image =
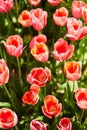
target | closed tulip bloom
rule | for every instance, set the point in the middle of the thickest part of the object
(81, 98)
(75, 29)
(77, 8)
(60, 16)
(40, 52)
(25, 18)
(54, 2)
(84, 13)
(64, 124)
(14, 45)
(72, 70)
(6, 5)
(34, 2)
(30, 97)
(39, 19)
(63, 51)
(4, 72)
(8, 118)
(51, 107)
(35, 88)
(41, 38)
(37, 125)
(39, 76)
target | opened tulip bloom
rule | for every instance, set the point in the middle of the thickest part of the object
(64, 124)
(39, 19)
(34, 2)
(75, 29)
(14, 45)
(76, 8)
(25, 18)
(4, 72)
(63, 51)
(54, 2)
(37, 125)
(30, 97)
(39, 76)
(6, 5)
(72, 70)
(8, 118)
(81, 98)
(41, 38)
(51, 107)
(40, 52)
(60, 16)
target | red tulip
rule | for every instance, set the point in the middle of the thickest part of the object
(40, 52)
(63, 51)
(8, 118)
(77, 8)
(75, 29)
(41, 38)
(39, 76)
(64, 124)
(72, 70)
(54, 2)
(81, 98)
(14, 45)
(37, 125)
(39, 19)
(51, 107)
(25, 18)
(35, 88)
(6, 5)
(60, 16)
(4, 72)
(34, 2)
(30, 97)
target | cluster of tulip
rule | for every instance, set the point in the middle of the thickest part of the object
(39, 77)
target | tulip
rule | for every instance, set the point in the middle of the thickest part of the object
(54, 2)
(60, 16)
(51, 107)
(8, 118)
(81, 98)
(39, 76)
(72, 70)
(39, 19)
(6, 5)
(63, 51)
(34, 2)
(25, 18)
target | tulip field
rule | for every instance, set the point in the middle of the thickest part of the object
(43, 64)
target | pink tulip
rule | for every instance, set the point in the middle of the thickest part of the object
(8, 118)
(51, 107)
(4, 72)
(75, 29)
(64, 124)
(37, 125)
(77, 8)
(39, 19)
(72, 70)
(34, 2)
(63, 51)
(6, 5)
(39, 76)
(25, 18)
(84, 13)
(54, 2)
(81, 98)
(35, 88)
(40, 52)
(60, 16)
(41, 38)
(14, 45)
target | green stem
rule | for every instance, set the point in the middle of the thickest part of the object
(16, 128)
(19, 71)
(81, 116)
(72, 91)
(16, 3)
